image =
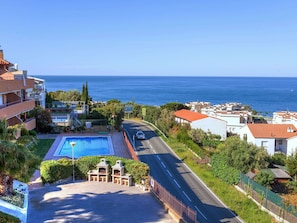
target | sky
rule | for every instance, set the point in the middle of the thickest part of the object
(151, 37)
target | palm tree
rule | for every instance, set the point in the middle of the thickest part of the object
(16, 160)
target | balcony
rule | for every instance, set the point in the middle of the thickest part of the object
(15, 85)
(13, 109)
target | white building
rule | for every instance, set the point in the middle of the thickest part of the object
(285, 117)
(200, 121)
(39, 92)
(275, 138)
(232, 113)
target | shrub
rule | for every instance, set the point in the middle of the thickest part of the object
(5, 218)
(24, 132)
(223, 171)
(54, 170)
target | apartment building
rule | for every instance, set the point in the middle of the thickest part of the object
(285, 117)
(233, 113)
(14, 101)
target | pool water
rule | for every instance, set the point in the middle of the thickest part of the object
(85, 146)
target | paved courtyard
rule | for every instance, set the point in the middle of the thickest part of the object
(94, 202)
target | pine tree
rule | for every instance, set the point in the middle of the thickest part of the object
(86, 93)
(83, 93)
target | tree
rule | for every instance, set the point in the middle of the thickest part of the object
(264, 178)
(16, 158)
(197, 135)
(6, 132)
(291, 165)
(166, 120)
(174, 106)
(279, 159)
(16, 161)
(244, 156)
(85, 93)
(43, 120)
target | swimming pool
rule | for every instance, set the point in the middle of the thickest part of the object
(85, 146)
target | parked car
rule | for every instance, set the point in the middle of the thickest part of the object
(140, 135)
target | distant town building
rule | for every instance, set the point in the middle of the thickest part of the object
(233, 113)
(14, 101)
(196, 106)
(285, 117)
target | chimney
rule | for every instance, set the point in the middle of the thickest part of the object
(1, 55)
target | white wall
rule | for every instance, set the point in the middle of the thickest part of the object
(246, 131)
(292, 146)
(267, 143)
(214, 125)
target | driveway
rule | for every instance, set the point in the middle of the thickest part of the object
(85, 201)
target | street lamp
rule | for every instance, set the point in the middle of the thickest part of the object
(72, 145)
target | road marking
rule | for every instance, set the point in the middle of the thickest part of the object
(187, 196)
(169, 172)
(200, 212)
(163, 164)
(158, 157)
(176, 183)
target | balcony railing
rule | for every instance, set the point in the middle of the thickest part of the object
(15, 108)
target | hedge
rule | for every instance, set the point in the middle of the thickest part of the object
(54, 170)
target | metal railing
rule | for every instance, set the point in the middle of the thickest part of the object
(179, 209)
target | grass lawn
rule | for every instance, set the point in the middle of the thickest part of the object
(43, 146)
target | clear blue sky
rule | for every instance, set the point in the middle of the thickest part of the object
(151, 37)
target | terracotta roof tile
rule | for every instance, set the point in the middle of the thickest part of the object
(272, 130)
(5, 62)
(189, 115)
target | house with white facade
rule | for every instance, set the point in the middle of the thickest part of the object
(233, 113)
(285, 117)
(275, 138)
(200, 121)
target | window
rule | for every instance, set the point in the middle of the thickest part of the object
(264, 144)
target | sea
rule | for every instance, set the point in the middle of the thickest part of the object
(263, 94)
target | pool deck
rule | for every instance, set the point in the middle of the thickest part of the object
(119, 146)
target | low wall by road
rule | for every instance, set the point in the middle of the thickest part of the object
(13, 210)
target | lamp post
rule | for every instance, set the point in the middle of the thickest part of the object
(72, 145)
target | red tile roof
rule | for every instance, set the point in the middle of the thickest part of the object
(189, 115)
(5, 62)
(272, 130)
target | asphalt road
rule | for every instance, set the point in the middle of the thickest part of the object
(177, 178)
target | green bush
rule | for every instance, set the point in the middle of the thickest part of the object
(33, 133)
(54, 170)
(5, 218)
(196, 148)
(137, 169)
(223, 171)
(24, 132)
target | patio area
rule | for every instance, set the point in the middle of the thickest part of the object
(119, 146)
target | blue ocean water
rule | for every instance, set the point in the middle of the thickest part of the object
(263, 94)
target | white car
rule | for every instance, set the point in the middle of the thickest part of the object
(140, 135)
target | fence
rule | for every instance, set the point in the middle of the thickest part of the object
(183, 212)
(130, 147)
(269, 200)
